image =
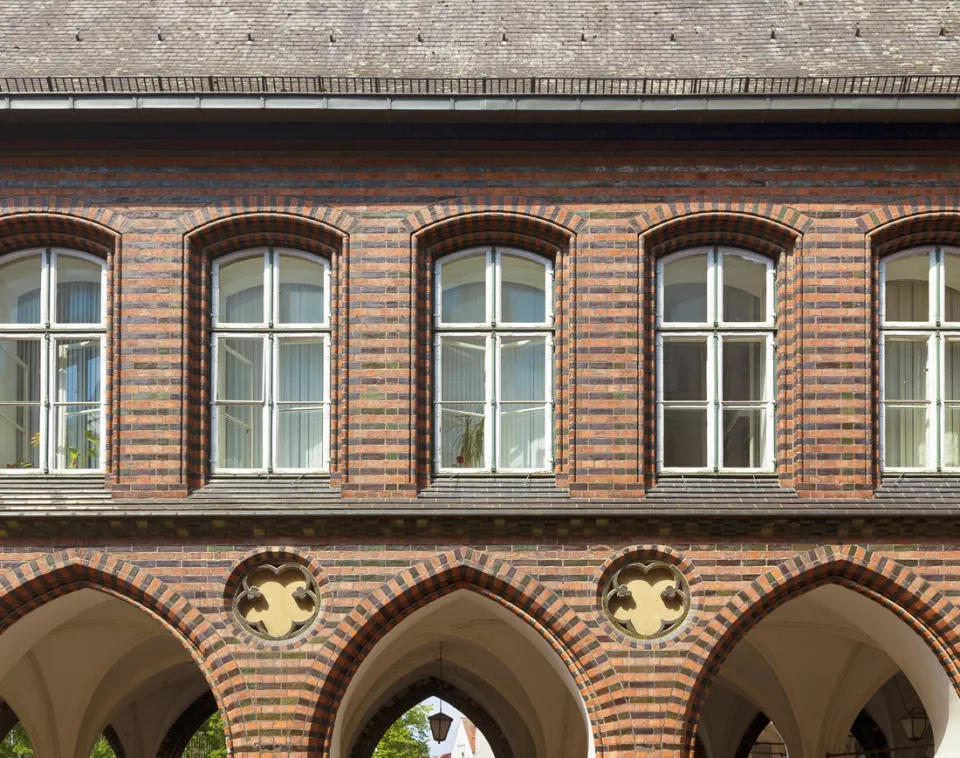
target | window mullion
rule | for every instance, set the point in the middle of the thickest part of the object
(45, 393)
(493, 394)
(936, 377)
(271, 353)
(550, 410)
(715, 356)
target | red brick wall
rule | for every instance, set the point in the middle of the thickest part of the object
(280, 698)
(379, 216)
(379, 213)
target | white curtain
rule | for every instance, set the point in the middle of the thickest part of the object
(78, 398)
(27, 417)
(300, 413)
(240, 363)
(905, 426)
(462, 401)
(523, 367)
(301, 391)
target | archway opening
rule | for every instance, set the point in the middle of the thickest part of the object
(412, 735)
(89, 674)
(837, 673)
(208, 740)
(497, 671)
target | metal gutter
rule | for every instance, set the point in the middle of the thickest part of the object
(471, 103)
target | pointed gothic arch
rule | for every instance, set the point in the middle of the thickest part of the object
(496, 580)
(32, 585)
(913, 600)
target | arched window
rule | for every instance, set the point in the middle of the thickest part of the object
(271, 362)
(494, 377)
(920, 360)
(715, 361)
(52, 344)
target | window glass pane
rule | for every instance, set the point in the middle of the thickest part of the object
(951, 436)
(463, 300)
(523, 437)
(684, 437)
(20, 370)
(951, 295)
(463, 368)
(78, 291)
(300, 419)
(20, 290)
(300, 436)
(745, 370)
(951, 370)
(302, 373)
(240, 369)
(301, 292)
(685, 290)
(744, 290)
(744, 436)
(523, 368)
(523, 291)
(19, 436)
(77, 429)
(461, 435)
(20, 386)
(907, 288)
(905, 437)
(78, 371)
(684, 369)
(241, 292)
(239, 436)
(905, 369)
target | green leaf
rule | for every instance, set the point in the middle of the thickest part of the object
(408, 736)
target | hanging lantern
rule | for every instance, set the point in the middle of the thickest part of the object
(440, 722)
(440, 726)
(915, 723)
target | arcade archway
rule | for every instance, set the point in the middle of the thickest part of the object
(88, 664)
(835, 672)
(496, 669)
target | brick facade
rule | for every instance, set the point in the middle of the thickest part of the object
(378, 536)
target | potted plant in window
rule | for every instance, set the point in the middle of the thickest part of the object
(469, 441)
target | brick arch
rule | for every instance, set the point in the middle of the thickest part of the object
(763, 227)
(235, 224)
(27, 220)
(762, 211)
(915, 222)
(256, 209)
(35, 583)
(474, 211)
(496, 580)
(909, 597)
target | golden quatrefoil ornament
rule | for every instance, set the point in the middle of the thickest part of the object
(647, 600)
(276, 602)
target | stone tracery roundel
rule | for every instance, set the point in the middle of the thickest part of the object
(647, 600)
(276, 601)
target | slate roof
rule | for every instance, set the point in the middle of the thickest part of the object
(496, 38)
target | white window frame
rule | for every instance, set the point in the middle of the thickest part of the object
(936, 331)
(715, 331)
(272, 333)
(49, 332)
(492, 331)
